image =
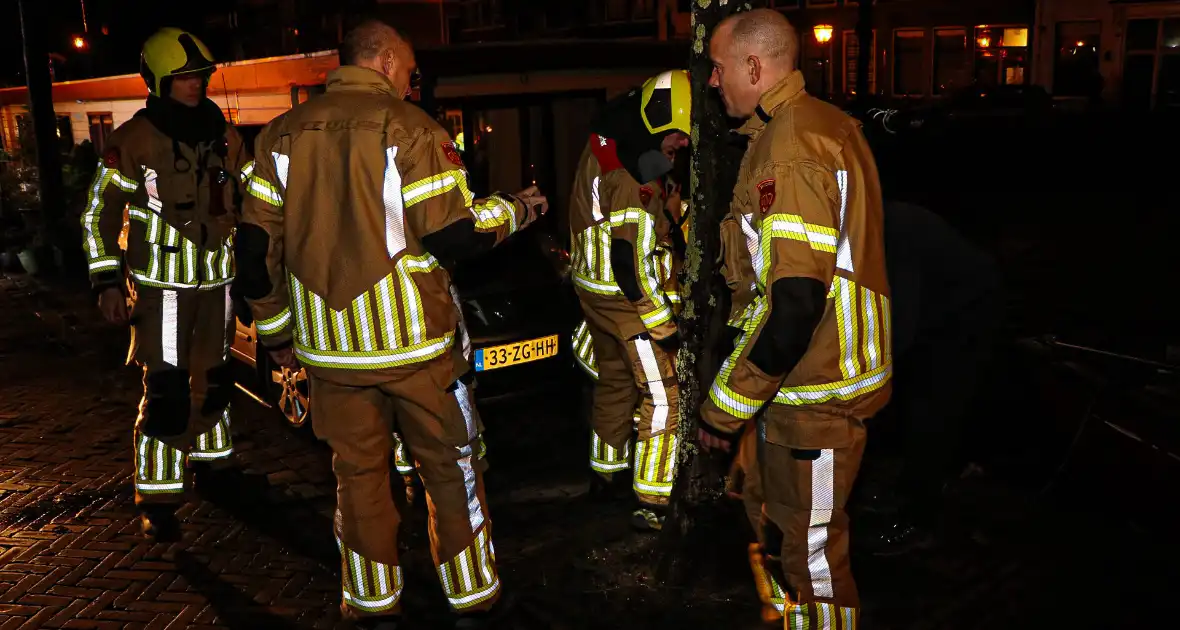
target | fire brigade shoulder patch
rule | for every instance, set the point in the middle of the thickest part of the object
(645, 193)
(111, 158)
(452, 153)
(765, 195)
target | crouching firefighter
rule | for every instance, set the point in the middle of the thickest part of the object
(357, 205)
(623, 274)
(172, 172)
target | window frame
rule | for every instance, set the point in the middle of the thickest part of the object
(873, 61)
(893, 67)
(969, 49)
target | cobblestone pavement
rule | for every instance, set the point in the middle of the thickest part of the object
(1087, 555)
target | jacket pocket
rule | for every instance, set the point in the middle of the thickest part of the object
(810, 430)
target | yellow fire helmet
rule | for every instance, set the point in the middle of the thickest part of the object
(171, 52)
(667, 102)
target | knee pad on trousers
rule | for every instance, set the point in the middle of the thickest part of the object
(168, 404)
(220, 389)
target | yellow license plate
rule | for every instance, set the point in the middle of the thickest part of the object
(511, 354)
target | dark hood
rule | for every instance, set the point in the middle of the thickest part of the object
(191, 125)
(637, 148)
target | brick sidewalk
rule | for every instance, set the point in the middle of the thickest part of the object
(70, 551)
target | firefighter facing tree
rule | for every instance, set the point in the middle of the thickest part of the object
(813, 359)
(625, 279)
(174, 169)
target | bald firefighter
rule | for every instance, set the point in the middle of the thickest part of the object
(625, 277)
(357, 206)
(813, 361)
(173, 173)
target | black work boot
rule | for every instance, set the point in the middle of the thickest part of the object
(384, 622)
(649, 518)
(610, 486)
(159, 522)
(498, 617)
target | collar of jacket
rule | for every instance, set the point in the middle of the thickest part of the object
(783, 92)
(358, 79)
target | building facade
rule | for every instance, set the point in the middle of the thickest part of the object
(1122, 53)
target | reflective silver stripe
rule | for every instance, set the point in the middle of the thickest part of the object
(153, 191)
(168, 329)
(391, 196)
(651, 372)
(229, 318)
(282, 164)
(843, 249)
(595, 203)
(823, 499)
(474, 509)
(315, 356)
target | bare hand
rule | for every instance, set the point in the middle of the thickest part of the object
(113, 305)
(284, 358)
(708, 441)
(536, 203)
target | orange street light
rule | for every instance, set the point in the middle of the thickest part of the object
(823, 33)
(79, 42)
(985, 41)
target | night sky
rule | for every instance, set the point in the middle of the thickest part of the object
(128, 24)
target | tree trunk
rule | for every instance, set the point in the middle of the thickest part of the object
(49, 179)
(713, 171)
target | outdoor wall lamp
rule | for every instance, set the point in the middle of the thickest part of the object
(823, 33)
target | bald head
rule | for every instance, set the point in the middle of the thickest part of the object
(751, 52)
(375, 45)
(765, 33)
(366, 41)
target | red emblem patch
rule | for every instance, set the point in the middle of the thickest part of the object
(452, 153)
(765, 194)
(645, 194)
(111, 157)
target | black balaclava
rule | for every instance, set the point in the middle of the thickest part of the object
(638, 149)
(191, 125)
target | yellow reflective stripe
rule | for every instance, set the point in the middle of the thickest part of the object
(605, 458)
(436, 185)
(722, 395)
(363, 310)
(601, 288)
(159, 467)
(846, 389)
(652, 455)
(216, 443)
(247, 171)
(388, 314)
(298, 297)
(470, 578)
(95, 248)
(411, 299)
(843, 292)
(379, 359)
(123, 182)
(792, 227)
(273, 325)
(494, 212)
(660, 315)
(369, 585)
(265, 191)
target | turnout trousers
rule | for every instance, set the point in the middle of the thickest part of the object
(636, 403)
(797, 468)
(439, 426)
(181, 338)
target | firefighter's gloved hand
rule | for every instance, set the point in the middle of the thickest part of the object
(536, 203)
(284, 357)
(113, 305)
(710, 438)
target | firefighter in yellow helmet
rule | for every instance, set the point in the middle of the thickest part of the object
(625, 274)
(173, 171)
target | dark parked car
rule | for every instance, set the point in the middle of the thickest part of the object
(519, 309)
